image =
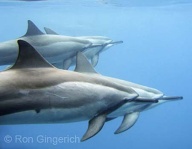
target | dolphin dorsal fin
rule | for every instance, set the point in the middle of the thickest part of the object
(50, 31)
(28, 57)
(83, 65)
(32, 29)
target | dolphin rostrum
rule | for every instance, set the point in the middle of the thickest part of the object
(58, 50)
(34, 91)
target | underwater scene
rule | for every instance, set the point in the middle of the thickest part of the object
(95, 74)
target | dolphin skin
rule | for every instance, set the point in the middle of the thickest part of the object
(92, 53)
(58, 50)
(34, 91)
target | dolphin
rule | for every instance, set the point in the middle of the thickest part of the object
(58, 50)
(34, 91)
(92, 53)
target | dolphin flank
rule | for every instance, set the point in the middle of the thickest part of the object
(92, 53)
(34, 91)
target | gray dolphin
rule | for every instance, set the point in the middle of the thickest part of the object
(58, 50)
(34, 91)
(92, 53)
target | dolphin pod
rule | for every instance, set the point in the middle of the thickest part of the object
(58, 50)
(92, 54)
(34, 91)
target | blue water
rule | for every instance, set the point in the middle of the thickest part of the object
(157, 52)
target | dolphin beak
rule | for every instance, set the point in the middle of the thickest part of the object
(115, 42)
(110, 44)
(171, 98)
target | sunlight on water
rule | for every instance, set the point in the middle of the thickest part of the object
(118, 3)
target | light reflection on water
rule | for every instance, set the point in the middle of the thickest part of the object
(118, 3)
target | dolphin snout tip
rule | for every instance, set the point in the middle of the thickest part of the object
(180, 98)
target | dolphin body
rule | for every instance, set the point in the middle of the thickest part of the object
(58, 50)
(91, 53)
(33, 91)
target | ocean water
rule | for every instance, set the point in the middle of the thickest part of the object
(157, 52)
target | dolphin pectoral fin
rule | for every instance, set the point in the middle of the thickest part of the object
(95, 125)
(97, 122)
(94, 60)
(128, 121)
(50, 31)
(67, 64)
